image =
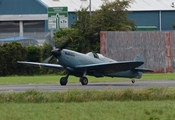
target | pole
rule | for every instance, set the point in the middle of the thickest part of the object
(90, 7)
(160, 20)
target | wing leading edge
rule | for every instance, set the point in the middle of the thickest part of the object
(110, 67)
(45, 65)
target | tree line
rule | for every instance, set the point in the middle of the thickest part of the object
(13, 52)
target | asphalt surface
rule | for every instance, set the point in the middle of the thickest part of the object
(90, 86)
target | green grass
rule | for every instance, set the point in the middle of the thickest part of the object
(128, 104)
(34, 96)
(103, 110)
(45, 79)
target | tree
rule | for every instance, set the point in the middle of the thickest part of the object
(174, 26)
(112, 16)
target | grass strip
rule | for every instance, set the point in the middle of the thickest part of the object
(96, 110)
(34, 96)
(54, 79)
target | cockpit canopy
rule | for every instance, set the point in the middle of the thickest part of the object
(95, 55)
(99, 56)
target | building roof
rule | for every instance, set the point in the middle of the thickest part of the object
(151, 5)
(137, 5)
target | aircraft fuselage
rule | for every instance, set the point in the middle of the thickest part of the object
(71, 59)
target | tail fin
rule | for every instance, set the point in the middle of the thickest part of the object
(140, 68)
(139, 58)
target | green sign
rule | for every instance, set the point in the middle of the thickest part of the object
(57, 17)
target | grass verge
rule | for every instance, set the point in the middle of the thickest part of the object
(52, 79)
(33, 96)
(101, 110)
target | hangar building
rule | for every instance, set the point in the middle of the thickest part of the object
(22, 17)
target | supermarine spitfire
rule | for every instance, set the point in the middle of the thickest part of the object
(93, 64)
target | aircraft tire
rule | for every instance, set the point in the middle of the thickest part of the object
(84, 80)
(133, 81)
(63, 81)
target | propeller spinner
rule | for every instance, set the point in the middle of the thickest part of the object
(56, 52)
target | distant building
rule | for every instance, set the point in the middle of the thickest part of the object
(21, 16)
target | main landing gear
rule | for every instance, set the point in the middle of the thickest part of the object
(133, 81)
(84, 80)
(63, 80)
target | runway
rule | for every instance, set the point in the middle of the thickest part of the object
(90, 86)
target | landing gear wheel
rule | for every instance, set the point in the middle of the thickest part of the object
(84, 80)
(63, 81)
(133, 81)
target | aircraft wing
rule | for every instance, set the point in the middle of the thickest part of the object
(110, 67)
(45, 65)
(144, 70)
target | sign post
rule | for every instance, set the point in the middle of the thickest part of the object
(57, 17)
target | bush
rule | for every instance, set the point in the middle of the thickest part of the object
(174, 26)
(10, 54)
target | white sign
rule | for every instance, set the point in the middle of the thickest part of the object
(63, 22)
(52, 23)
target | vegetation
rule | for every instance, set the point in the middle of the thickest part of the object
(34, 96)
(10, 54)
(13, 52)
(132, 104)
(97, 110)
(174, 26)
(112, 16)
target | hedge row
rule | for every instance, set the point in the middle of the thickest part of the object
(12, 52)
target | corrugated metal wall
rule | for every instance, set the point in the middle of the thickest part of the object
(12, 7)
(156, 48)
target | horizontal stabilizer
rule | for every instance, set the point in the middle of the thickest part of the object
(144, 70)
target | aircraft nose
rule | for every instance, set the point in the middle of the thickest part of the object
(56, 53)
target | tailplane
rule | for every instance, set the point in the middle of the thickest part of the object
(140, 68)
(139, 58)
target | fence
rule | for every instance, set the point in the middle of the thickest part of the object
(157, 48)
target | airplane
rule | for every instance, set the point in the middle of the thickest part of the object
(92, 64)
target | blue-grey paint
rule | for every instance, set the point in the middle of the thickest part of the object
(72, 18)
(168, 19)
(145, 18)
(153, 18)
(21, 7)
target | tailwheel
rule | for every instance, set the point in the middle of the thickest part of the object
(133, 81)
(63, 81)
(84, 80)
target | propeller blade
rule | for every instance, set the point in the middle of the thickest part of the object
(56, 52)
(48, 37)
(66, 43)
(47, 59)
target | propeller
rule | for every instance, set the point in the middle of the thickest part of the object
(48, 59)
(56, 52)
